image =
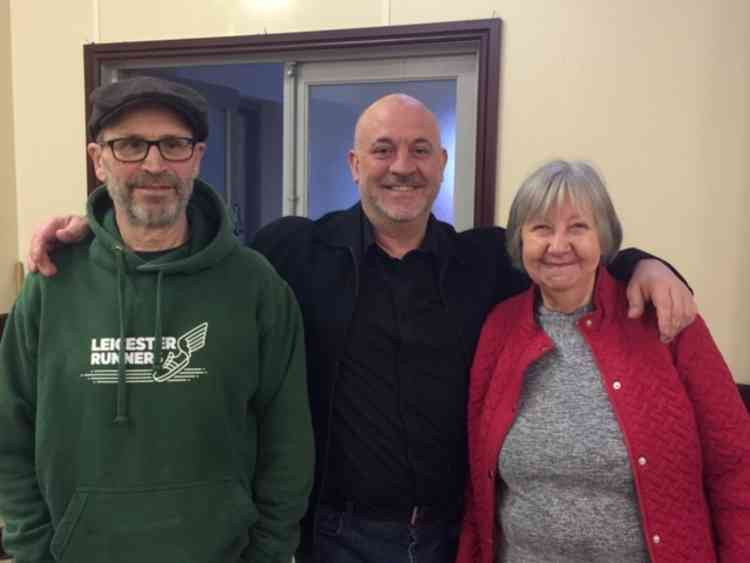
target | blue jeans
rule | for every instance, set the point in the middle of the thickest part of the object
(344, 537)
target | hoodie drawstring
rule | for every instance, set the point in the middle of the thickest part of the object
(157, 327)
(121, 415)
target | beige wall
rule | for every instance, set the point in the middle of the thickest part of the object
(655, 92)
(48, 108)
(8, 211)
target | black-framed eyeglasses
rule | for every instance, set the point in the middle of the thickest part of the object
(135, 149)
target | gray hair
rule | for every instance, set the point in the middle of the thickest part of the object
(547, 187)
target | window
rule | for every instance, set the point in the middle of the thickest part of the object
(283, 109)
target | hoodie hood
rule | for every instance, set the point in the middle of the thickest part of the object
(211, 240)
(211, 237)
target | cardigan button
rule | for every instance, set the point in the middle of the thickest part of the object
(642, 461)
(589, 322)
(617, 386)
(656, 538)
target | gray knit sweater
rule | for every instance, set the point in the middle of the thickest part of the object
(567, 492)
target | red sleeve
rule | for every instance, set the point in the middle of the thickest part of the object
(724, 428)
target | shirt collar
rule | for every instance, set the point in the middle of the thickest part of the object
(430, 243)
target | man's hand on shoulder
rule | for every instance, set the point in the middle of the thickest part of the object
(675, 305)
(55, 232)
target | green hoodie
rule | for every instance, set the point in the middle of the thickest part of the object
(198, 447)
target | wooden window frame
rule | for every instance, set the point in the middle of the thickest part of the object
(485, 34)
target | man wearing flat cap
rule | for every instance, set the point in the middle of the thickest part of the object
(153, 401)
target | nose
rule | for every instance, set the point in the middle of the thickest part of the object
(153, 162)
(403, 164)
(559, 242)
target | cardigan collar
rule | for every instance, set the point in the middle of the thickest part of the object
(604, 297)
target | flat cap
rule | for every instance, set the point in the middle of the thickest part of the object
(110, 101)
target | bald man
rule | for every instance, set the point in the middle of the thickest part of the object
(393, 301)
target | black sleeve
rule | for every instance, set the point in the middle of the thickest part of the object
(509, 280)
(512, 280)
(623, 266)
(278, 240)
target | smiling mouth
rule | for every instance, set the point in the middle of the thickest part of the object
(159, 188)
(402, 188)
(562, 265)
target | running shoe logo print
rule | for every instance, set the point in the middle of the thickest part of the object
(190, 342)
(139, 358)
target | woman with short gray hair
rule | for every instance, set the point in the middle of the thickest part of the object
(601, 443)
(548, 187)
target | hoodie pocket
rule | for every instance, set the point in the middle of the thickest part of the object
(202, 522)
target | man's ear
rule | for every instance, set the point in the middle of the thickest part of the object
(198, 152)
(354, 165)
(96, 153)
(443, 161)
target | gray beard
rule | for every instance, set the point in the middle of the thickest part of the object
(160, 217)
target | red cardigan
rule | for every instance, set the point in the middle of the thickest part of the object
(686, 429)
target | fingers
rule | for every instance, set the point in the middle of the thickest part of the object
(684, 308)
(30, 264)
(661, 299)
(44, 265)
(38, 258)
(75, 229)
(679, 313)
(635, 300)
(675, 311)
(45, 239)
(674, 304)
(666, 315)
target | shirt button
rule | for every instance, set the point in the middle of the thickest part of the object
(656, 538)
(642, 460)
(617, 386)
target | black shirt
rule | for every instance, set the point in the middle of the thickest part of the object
(398, 416)
(149, 255)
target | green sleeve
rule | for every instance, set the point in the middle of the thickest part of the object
(28, 530)
(284, 470)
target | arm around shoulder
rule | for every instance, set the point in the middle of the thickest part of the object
(625, 263)
(653, 280)
(57, 231)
